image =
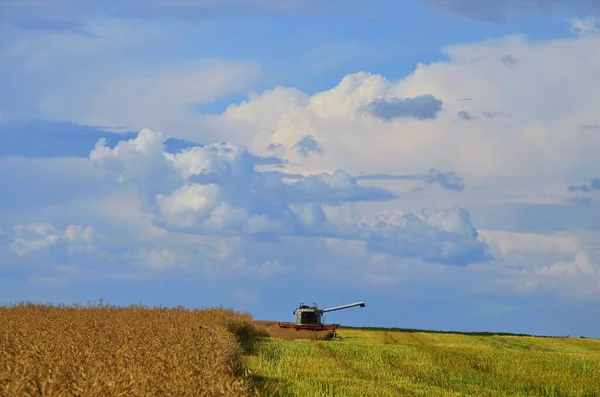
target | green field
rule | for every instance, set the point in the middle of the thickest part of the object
(388, 363)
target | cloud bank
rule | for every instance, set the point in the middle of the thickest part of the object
(367, 124)
(215, 189)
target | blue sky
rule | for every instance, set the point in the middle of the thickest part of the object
(436, 159)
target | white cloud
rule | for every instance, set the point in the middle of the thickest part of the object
(579, 266)
(202, 209)
(565, 265)
(527, 101)
(140, 160)
(353, 93)
(412, 253)
(443, 236)
(32, 237)
(216, 187)
(578, 278)
(267, 106)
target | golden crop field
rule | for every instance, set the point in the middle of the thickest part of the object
(383, 363)
(100, 350)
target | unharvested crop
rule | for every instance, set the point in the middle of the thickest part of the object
(101, 350)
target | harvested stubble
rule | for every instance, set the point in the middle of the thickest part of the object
(272, 330)
(363, 363)
(100, 350)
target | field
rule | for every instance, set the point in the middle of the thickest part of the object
(100, 350)
(387, 363)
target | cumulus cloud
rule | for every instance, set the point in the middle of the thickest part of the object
(215, 189)
(421, 107)
(580, 265)
(581, 274)
(563, 264)
(140, 161)
(264, 107)
(443, 236)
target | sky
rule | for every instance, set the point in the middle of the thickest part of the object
(435, 159)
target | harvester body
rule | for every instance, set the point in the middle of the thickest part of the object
(311, 317)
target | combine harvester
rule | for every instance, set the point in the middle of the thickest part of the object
(311, 318)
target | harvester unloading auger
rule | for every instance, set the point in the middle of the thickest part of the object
(311, 317)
